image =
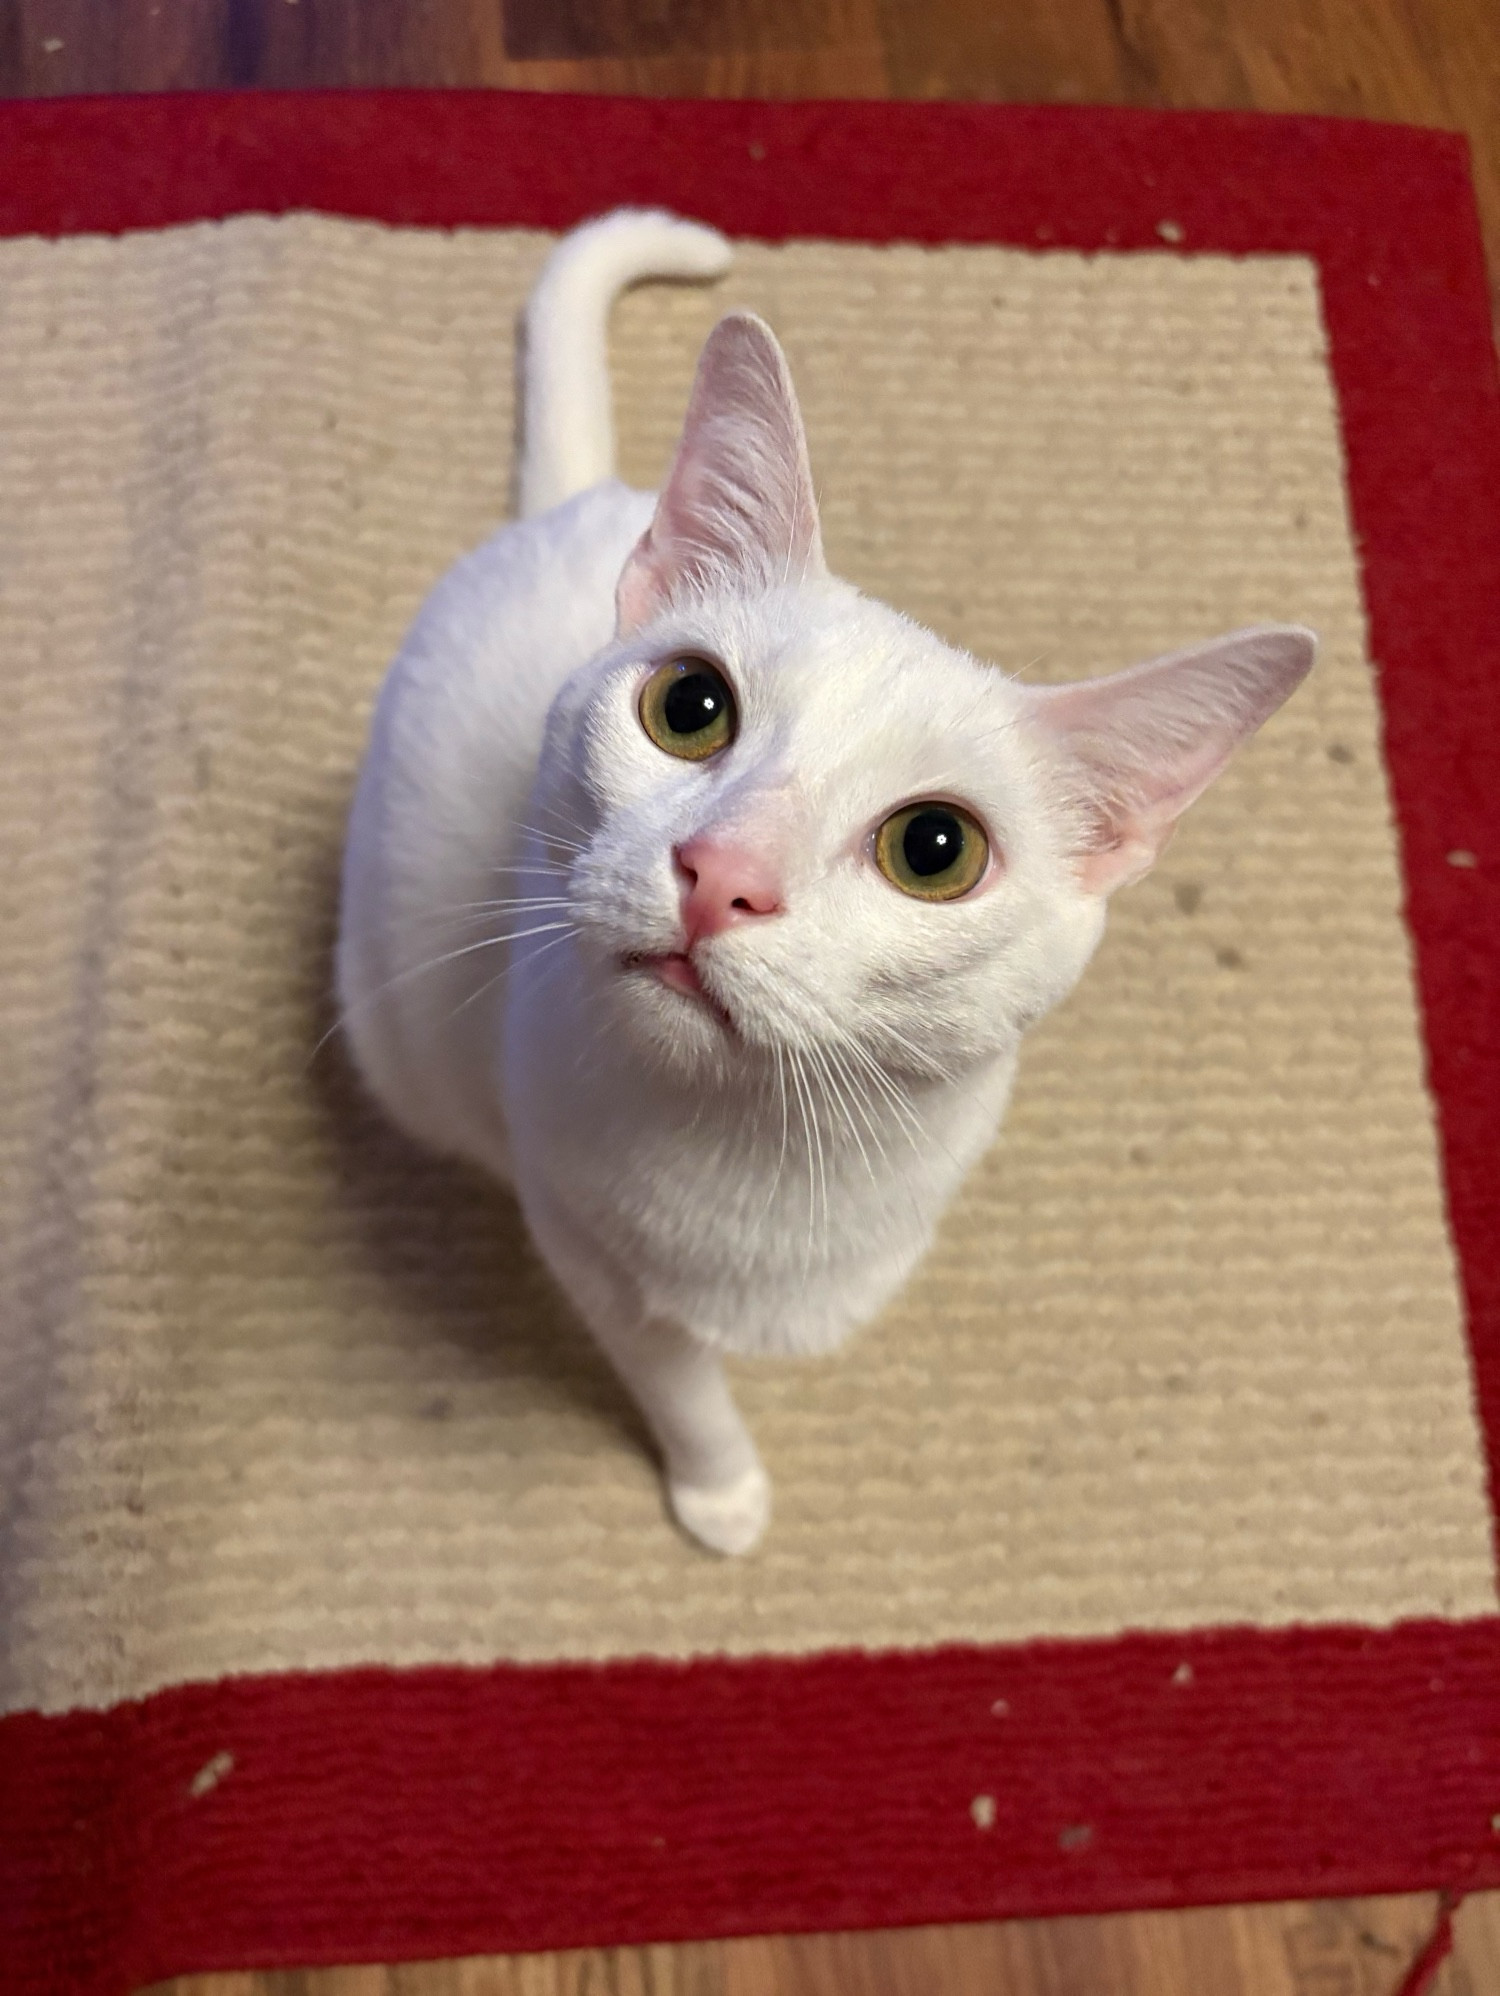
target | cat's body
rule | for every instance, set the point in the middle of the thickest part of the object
(436, 828)
(437, 822)
(684, 986)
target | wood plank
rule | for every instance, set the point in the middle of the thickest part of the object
(587, 28)
(774, 48)
(1437, 64)
(1356, 1947)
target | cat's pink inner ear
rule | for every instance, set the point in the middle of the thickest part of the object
(738, 507)
(1139, 746)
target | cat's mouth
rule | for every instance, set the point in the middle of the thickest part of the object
(677, 971)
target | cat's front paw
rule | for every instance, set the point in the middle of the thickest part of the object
(730, 1519)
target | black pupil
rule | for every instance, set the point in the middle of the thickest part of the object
(932, 843)
(693, 702)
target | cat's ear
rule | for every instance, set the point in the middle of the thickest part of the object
(1139, 746)
(738, 505)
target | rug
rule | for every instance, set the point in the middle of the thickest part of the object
(1144, 1551)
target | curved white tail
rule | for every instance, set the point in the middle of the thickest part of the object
(568, 437)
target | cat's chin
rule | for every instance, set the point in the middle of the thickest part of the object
(674, 1018)
(675, 971)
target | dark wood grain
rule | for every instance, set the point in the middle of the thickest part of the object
(580, 29)
(1424, 61)
(1358, 1947)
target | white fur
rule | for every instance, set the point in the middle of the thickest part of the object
(762, 1189)
(570, 437)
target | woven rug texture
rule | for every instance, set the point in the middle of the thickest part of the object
(284, 1393)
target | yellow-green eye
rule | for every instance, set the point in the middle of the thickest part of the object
(935, 852)
(688, 710)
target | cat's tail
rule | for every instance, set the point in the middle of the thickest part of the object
(568, 432)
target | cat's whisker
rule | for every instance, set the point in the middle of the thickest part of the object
(529, 956)
(573, 846)
(848, 1098)
(556, 811)
(817, 1088)
(590, 1045)
(504, 905)
(573, 831)
(506, 901)
(548, 861)
(477, 911)
(800, 1087)
(421, 969)
(908, 1121)
(469, 949)
(918, 1131)
(816, 1174)
(822, 1158)
(924, 1064)
(535, 866)
(879, 1085)
(781, 1153)
(840, 1102)
(876, 1082)
(828, 1029)
(895, 1168)
(781, 1090)
(855, 1101)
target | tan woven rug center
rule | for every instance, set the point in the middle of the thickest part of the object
(280, 1392)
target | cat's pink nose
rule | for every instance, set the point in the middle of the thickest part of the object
(723, 885)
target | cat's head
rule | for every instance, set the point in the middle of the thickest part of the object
(806, 822)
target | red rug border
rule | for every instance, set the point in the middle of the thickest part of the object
(394, 1815)
(507, 1808)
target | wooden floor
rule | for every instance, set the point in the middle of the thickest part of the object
(1358, 1947)
(1425, 61)
(1433, 62)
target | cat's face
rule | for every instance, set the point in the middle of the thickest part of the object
(797, 821)
(869, 796)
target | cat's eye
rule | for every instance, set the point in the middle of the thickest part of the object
(933, 851)
(688, 710)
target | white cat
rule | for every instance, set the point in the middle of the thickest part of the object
(704, 899)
